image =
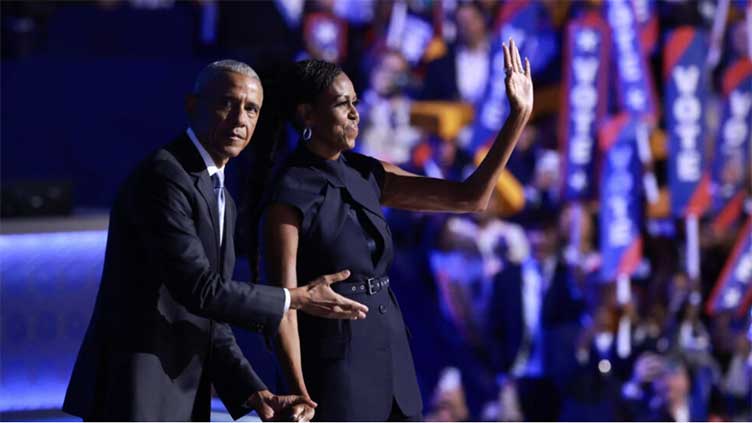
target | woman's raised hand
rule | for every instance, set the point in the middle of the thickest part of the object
(518, 80)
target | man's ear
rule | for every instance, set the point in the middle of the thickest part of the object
(304, 112)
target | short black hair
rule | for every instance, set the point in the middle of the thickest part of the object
(311, 78)
(303, 83)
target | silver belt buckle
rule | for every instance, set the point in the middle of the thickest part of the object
(372, 287)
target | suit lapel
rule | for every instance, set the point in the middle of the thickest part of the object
(190, 158)
(206, 188)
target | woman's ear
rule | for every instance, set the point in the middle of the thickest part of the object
(304, 111)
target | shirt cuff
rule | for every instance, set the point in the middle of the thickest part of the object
(287, 300)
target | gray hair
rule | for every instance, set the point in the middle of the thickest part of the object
(221, 66)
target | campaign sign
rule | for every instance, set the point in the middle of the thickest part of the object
(647, 20)
(736, 278)
(633, 82)
(731, 165)
(327, 34)
(621, 209)
(584, 101)
(686, 92)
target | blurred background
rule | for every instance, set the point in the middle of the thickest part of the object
(610, 279)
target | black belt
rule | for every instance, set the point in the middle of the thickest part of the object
(362, 285)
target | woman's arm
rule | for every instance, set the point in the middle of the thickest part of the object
(405, 190)
(281, 229)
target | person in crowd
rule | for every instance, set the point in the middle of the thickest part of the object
(449, 399)
(672, 393)
(385, 112)
(462, 73)
(325, 211)
(159, 337)
(533, 315)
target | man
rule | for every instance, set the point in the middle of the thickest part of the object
(533, 314)
(159, 337)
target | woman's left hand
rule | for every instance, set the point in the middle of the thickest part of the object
(519, 82)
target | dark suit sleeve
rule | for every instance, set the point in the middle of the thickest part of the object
(231, 374)
(166, 222)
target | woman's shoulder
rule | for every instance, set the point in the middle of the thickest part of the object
(366, 165)
(298, 177)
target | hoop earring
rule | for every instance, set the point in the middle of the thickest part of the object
(307, 134)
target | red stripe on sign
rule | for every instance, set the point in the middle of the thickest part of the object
(508, 11)
(610, 131)
(745, 305)
(700, 199)
(735, 74)
(729, 213)
(676, 45)
(631, 258)
(649, 35)
(710, 305)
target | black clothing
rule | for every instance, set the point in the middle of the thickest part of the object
(159, 337)
(354, 370)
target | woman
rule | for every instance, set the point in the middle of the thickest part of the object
(324, 214)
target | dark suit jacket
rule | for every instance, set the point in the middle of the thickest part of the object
(505, 323)
(440, 82)
(159, 334)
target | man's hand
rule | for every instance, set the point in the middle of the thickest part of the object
(318, 299)
(294, 408)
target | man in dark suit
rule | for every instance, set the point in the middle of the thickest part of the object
(534, 311)
(462, 73)
(159, 337)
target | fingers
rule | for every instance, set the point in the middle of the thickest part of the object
(336, 277)
(507, 57)
(297, 412)
(516, 56)
(265, 412)
(527, 68)
(308, 415)
(352, 308)
(307, 401)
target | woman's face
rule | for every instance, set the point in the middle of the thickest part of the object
(334, 117)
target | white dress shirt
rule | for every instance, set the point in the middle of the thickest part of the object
(472, 72)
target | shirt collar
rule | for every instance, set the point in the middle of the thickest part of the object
(211, 167)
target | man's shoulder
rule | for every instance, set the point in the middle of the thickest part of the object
(170, 160)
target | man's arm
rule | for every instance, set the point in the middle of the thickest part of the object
(231, 373)
(164, 221)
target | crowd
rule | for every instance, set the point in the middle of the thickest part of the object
(527, 329)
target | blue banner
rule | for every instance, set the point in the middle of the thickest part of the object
(731, 164)
(621, 208)
(528, 24)
(633, 82)
(584, 96)
(647, 21)
(732, 290)
(686, 83)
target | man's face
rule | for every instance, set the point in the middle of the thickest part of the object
(225, 113)
(471, 27)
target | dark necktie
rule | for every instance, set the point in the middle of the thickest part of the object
(219, 190)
